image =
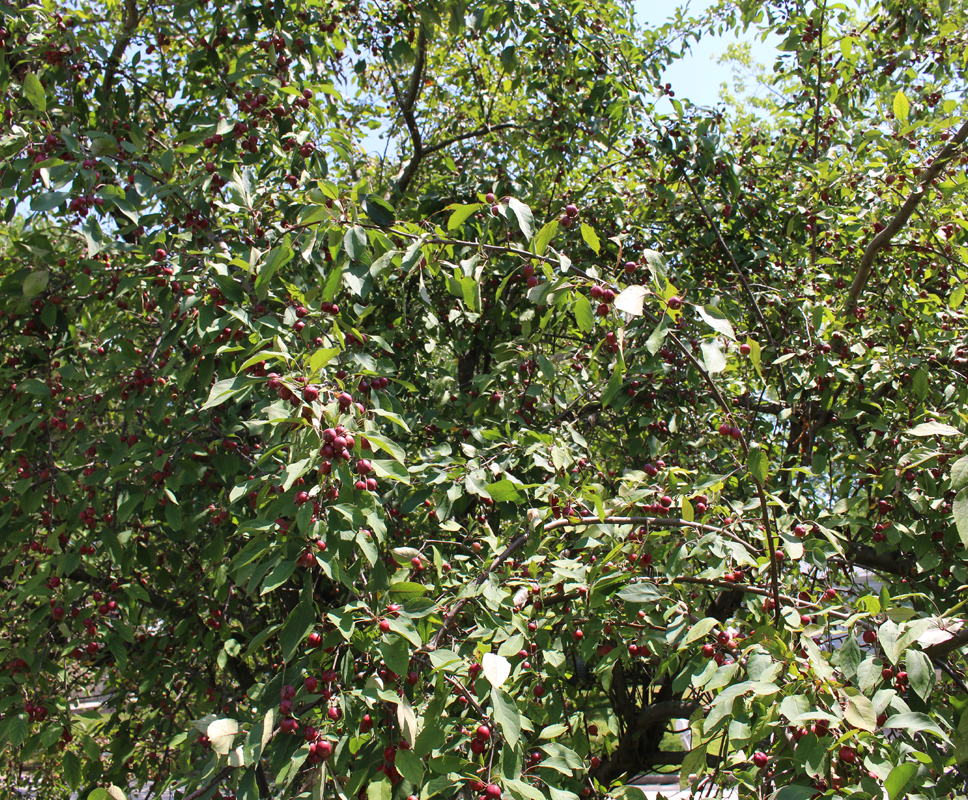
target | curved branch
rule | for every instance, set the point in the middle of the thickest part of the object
(881, 240)
(129, 22)
(406, 109)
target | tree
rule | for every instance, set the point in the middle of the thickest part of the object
(468, 468)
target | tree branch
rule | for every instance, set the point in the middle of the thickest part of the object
(129, 22)
(881, 240)
(484, 130)
(941, 649)
(406, 109)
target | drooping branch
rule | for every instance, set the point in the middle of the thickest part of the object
(882, 239)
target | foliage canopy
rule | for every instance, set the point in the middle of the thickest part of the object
(468, 467)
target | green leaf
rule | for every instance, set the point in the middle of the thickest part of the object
(933, 429)
(297, 627)
(379, 790)
(654, 343)
(17, 730)
(554, 731)
(758, 464)
(505, 491)
(642, 592)
(900, 779)
(222, 732)
(561, 758)
(36, 282)
(631, 300)
(614, 385)
(71, 766)
(48, 201)
(331, 284)
(888, 634)
(523, 216)
(583, 314)
(959, 510)
(860, 711)
(34, 386)
(920, 672)
(391, 469)
(850, 657)
(34, 92)
(657, 266)
(591, 238)
(545, 235)
(379, 210)
(522, 790)
(321, 358)
(717, 320)
(506, 715)
(713, 356)
(461, 214)
(92, 235)
(223, 390)
(694, 763)
(957, 297)
(959, 474)
(404, 626)
(409, 765)
(386, 445)
(278, 258)
(354, 242)
(901, 106)
(915, 723)
(700, 629)
(794, 792)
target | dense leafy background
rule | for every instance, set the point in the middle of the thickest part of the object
(343, 477)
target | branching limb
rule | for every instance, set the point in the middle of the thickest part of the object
(882, 239)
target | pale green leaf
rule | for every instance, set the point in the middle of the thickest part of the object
(901, 106)
(34, 92)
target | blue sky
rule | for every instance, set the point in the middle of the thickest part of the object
(697, 76)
